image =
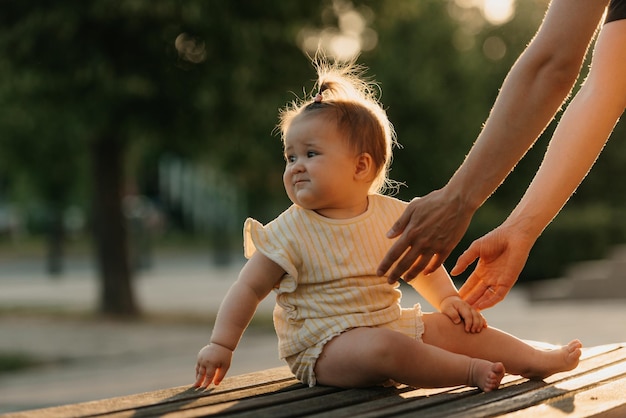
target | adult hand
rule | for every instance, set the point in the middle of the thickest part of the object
(501, 257)
(429, 229)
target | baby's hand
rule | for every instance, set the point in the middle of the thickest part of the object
(458, 310)
(212, 364)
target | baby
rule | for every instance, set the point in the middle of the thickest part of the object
(338, 322)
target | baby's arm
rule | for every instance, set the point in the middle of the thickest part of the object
(256, 280)
(439, 290)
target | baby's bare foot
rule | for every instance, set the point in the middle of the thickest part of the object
(555, 361)
(485, 374)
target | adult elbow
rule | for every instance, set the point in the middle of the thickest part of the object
(558, 74)
(563, 73)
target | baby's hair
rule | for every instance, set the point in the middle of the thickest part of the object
(343, 93)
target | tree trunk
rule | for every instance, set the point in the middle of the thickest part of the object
(111, 239)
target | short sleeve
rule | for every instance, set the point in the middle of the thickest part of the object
(269, 241)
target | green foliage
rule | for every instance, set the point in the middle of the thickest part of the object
(75, 72)
(438, 91)
(204, 79)
(12, 362)
(79, 70)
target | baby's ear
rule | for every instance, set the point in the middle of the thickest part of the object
(364, 167)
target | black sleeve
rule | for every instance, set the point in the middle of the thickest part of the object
(616, 11)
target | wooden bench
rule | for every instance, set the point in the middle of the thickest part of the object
(597, 387)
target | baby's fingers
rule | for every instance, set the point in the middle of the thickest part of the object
(478, 322)
(451, 312)
(219, 376)
(204, 376)
(471, 318)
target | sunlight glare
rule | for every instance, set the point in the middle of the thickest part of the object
(344, 47)
(351, 22)
(498, 12)
(346, 41)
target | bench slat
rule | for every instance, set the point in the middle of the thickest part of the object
(164, 396)
(596, 386)
(607, 400)
(464, 399)
(526, 393)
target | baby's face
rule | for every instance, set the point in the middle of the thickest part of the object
(320, 166)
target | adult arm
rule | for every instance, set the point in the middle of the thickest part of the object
(256, 279)
(531, 94)
(575, 145)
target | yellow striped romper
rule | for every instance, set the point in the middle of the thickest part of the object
(330, 284)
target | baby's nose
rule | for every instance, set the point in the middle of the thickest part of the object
(297, 167)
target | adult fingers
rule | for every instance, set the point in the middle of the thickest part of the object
(412, 264)
(400, 225)
(473, 289)
(490, 297)
(404, 229)
(395, 252)
(466, 259)
(423, 263)
(435, 262)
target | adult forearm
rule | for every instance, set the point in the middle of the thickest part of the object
(566, 163)
(531, 94)
(527, 103)
(580, 136)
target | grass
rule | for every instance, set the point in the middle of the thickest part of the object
(13, 361)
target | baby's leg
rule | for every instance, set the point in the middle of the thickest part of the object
(494, 345)
(372, 356)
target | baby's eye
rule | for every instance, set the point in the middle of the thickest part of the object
(310, 154)
(290, 158)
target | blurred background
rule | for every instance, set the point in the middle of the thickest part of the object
(138, 131)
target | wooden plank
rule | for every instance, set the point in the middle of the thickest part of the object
(257, 380)
(596, 386)
(463, 399)
(495, 404)
(413, 401)
(606, 400)
(355, 403)
(275, 407)
(213, 403)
